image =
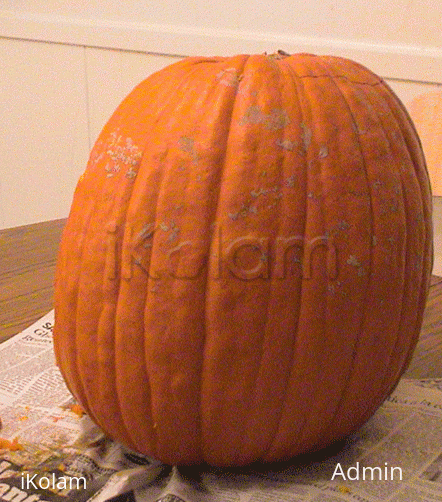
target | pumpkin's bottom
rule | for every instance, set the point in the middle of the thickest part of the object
(223, 452)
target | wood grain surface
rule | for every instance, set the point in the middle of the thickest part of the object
(27, 267)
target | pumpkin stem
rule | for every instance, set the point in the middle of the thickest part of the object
(280, 54)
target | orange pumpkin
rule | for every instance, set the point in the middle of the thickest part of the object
(244, 270)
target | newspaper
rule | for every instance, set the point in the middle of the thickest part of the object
(51, 451)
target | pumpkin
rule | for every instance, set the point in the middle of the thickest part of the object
(243, 273)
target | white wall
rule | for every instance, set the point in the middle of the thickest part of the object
(400, 39)
(65, 66)
(54, 100)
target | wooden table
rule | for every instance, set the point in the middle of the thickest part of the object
(27, 266)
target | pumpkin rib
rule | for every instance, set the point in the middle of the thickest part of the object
(67, 367)
(374, 217)
(227, 108)
(119, 189)
(155, 373)
(87, 214)
(118, 118)
(341, 84)
(149, 431)
(295, 80)
(104, 330)
(151, 304)
(402, 117)
(134, 424)
(308, 217)
(257, 424)
(305, 435)
(84, 398)
(223, 205)
(414, 145)
(410, 136)
(404, 268)
(424, 280)
(406, 204)
(388, 387)
(89, 208)
(403, 205)
(338, 82)
(106, 326)
(268, 450)
(218, 211)
(224, 106)
(300, 91)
